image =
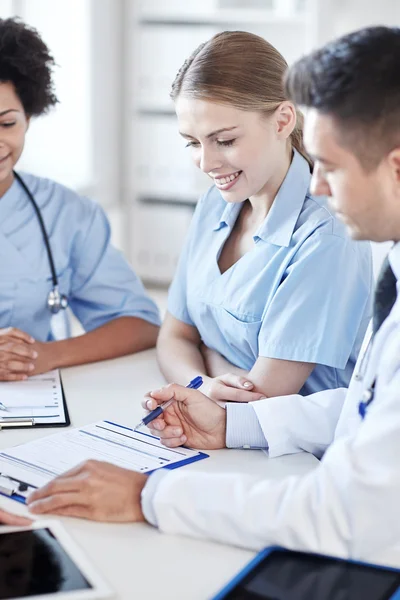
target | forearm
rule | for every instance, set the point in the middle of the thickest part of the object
(319, 512)
(119, 337)
(217, 365)
(180, 360)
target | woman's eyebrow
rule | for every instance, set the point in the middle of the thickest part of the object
(5, 112)
(209, 135)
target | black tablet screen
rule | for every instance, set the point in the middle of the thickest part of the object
(33, 562)
(285, 575)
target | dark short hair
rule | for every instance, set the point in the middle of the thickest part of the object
(25, 61)
(356, 80)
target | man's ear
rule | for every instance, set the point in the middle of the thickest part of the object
(285, 118)
(394, 165)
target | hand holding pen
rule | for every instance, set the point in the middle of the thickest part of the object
(193, 419)
(194, 385)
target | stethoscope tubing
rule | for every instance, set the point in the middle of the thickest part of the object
(59, 301)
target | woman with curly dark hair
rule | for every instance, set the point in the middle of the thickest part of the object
(54, 245)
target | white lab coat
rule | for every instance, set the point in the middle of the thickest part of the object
(348, 506)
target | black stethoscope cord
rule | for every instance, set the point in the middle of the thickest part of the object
(55, 301)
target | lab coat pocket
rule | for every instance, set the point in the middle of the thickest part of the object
(237, 335)
(7, 303)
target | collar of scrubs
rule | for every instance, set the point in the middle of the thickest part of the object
(278, 226)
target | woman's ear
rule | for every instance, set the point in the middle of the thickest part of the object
(285, 119)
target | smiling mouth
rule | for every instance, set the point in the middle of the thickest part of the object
(4, 158)
(227, 178)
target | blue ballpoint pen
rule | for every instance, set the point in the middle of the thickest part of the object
(194, 385)
(3, 406)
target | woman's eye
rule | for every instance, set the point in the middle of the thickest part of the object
(191, 144)
(8, 124)
(225, 142)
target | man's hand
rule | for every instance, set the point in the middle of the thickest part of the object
(7, 518)
(193, 418)
(230, 388)
(17, 354)
(93, 490)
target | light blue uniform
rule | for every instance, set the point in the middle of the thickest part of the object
(99, 283)
(303, 292)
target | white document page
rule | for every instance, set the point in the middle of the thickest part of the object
(38, 398)
(39, 461)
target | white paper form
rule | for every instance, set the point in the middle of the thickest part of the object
(38, 398)
(39, 461)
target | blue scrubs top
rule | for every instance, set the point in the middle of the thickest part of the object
(99, 283)
(303, 292)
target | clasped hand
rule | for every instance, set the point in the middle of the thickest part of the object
(21, 356)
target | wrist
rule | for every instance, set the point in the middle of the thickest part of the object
(139, 482)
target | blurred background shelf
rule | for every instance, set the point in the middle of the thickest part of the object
(114, 134)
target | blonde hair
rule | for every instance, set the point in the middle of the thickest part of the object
(240, 69)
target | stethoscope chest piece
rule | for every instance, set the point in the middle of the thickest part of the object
(56, 301)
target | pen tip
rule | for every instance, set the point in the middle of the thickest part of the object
(138, 426)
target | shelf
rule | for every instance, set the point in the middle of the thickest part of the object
(237, 17)
(168, 201)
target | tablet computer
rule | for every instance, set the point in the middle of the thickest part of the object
(279, 574)
(43, 562)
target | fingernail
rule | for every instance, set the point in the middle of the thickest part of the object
(247, 384)
(263, 398)
(32, 340)
(35, 354)
(149, 404)
(177, 432)
(31, 367)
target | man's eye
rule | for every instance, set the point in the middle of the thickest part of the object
(191, 144)
(8, 124)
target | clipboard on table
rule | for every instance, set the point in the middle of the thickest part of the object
(29, 466)
(36, 402)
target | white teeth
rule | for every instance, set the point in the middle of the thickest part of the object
(225, 180)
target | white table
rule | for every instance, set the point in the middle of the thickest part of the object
(187, 569)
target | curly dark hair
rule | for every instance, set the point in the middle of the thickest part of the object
(25, 61)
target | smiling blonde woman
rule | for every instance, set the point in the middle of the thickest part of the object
(270, 296)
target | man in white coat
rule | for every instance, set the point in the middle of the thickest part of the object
(349, 505)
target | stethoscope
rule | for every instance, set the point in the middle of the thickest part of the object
(55, 300)
(368, 395)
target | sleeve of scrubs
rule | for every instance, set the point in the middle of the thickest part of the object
(316, 312)
(103, 285)
(347, 506)
(177, 294)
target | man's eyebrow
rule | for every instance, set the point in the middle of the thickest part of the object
(209, 135)
(5, 112)
(323, 160)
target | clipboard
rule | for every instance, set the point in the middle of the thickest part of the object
(28, 421)
(35, 463)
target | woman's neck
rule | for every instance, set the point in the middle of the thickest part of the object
(261, 203)
(6, 183)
